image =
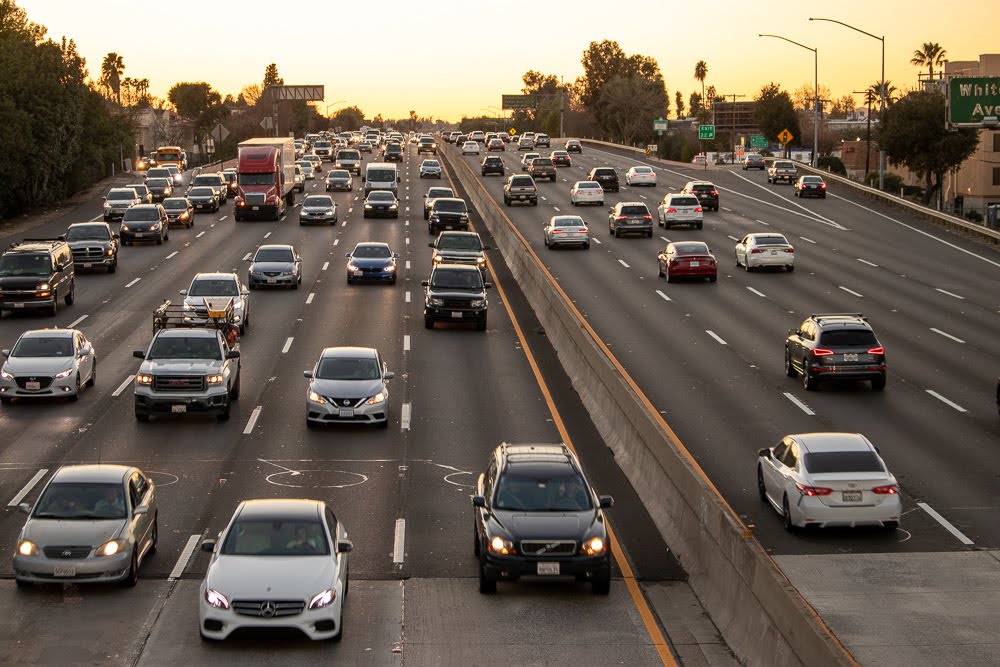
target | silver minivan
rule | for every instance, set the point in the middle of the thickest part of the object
(381, 176)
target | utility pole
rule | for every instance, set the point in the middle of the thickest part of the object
(562, 105)
(868, 132)
(732, 130)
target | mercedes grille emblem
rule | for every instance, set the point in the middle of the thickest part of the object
(267, 609)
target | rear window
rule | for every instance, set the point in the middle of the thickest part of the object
(771, 240)
(684, 201)
(522, 181)
(703, 187)
(831, 462)
(348, 155)
(604, 173)
(784, 165)
(691, 248)
(541, 162)
(848, 338)
(637, 209)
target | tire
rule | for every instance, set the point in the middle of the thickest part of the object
(808, 380)
(295, 285)
(76, 395)
(878, 383)
(659, 271)
(487, 586)
(235, 392)
(789, 368)
(156, 536)
(141, 416)
(310, 424)
(586, 246)
(224, 416)
(481, 326)
(534, 202)
(786, 516)
(6, 400)
(159, 241)
(113, 267)
(428, 323)
(790, 268)
(761, 489)
(71, 297)
(700, 225)
(21, 583)
(132, 578)
(601, 584)
(736, 257)
(670, 278)
(92, 380)
(475, 543)
(890, 526)
(714, 278)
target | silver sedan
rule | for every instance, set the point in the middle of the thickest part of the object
(48, 363)
(275, 265)
(765, 249)
(566, 230)
(348, 386)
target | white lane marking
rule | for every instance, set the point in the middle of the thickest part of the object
(850, 291)
(936, 288)
(118, 392)
(268, 235)
(336, 242)
(812, 215)
(288, 345)
(72, 325)
(597, 241)
(807, 240)
(947, 335)
(309, 299)
(865, 261)
(665, 297)
(397, 542)
(556, 208)
(717, 338)
(642, 196)
(802, 406)
(326, 265)
(174, 254)
(622, 262)
(248, 429)
(212, 225)
(404, 417)
(184, 558)
(766, 224)
(945, 400)
(406, 343)
(407, 297)
(544, 199)
(133, 282)
(407, 208)
(947, 524)
(758, 293)
(407, 265)
(16, 500)
(726, 209)
(733, 237)
(919, 231)
(407, 240)
(223, 218)
(200, 234)
(665, 239)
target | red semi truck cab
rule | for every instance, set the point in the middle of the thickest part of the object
(265, 179)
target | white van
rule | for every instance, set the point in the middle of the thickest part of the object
(381, 176)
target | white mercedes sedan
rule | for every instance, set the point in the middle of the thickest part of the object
(280, 563)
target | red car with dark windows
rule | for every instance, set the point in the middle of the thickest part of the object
(687, 259)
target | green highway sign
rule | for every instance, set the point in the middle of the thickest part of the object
(758, 141)
(971, 99)
(706, 132)
(660, 124)
(518, 102)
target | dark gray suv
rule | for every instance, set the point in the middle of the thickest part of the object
(835, 346)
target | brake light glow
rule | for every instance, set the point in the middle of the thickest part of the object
(822, 352)
(887, 490)
(698, 209)
(813, 490)
(789, 249)
(671, 210)
(647, 217)
(877, 350)
(822, 186)
(621, 217)
(715, 193)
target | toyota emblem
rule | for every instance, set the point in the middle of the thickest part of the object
(267, 609)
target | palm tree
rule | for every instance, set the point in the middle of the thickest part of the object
(876, 90)
(112, 68)
(928, 55)
(700, 72)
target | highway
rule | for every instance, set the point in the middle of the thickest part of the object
(402, 492)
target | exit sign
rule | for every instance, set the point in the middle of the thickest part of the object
(706, 132)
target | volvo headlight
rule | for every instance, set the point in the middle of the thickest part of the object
(436, 301)
(502, 546)
(593, 547)
(478, 303)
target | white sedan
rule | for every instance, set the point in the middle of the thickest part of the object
(765, 249)
(566, 230)
(470, 148)
(278, 564)
(586, 192)
(640, 176)
(828, 479)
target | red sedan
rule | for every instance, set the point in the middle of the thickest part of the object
(687, 259)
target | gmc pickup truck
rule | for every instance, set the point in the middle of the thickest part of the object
(782, 170)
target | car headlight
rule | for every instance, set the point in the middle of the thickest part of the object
(65, 374)
(377, 398)
(438, 259)
(216, 599)
(126, 228)
(478, 303)
(110, 548)
(316, 398)
(144, 379)
(43, 286)
(5, 375)
(27, 548)
(593, 547)
(215, 379)
(502, 546)
(351, 267)
(480, 260)
(368, 205)
(109, 252)
(107, 204)
(392, 206)
(322, 599)
(183, 216)
(436, 301)
(390, 268)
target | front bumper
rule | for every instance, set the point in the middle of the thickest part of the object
(317, 217)
(143, 235)
(16, 302)
(371, 275)
(257, 211)
(515, 567)
(810, 510)
(176, 220)
(328, 413)
(264, 280)
(211, 402)
(439, 314)
(436, 173)
(381, 212)
(48, 387)
(114, 214)
(316, 624)
(42, 570)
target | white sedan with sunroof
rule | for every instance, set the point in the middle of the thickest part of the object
(586, 192)
(765, 249)
(640, 176)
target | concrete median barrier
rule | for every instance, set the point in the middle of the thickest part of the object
(762, 617)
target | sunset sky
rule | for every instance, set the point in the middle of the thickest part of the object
(446, 58)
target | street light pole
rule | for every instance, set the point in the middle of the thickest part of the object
(815, 155)
(326, 112)
(881, 85)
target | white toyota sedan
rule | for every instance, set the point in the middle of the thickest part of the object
(280, 563)
(586, 192)
(828, 479)
(470, 148)
(640, 176)
(765, 249)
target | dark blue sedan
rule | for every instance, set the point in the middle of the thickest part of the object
(371, 261)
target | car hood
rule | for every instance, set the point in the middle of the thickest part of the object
(37, 365)
(181, 366)
(65, 532)
(347, 388)
(199, 301)
(271, 576)
(83, 243)
(272, 266)
(371, 262)
(545, 525)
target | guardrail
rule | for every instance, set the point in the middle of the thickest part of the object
(758, 611)
(950, 222)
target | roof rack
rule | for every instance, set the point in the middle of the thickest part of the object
(55, 239)
(817, 316)
(217, 314)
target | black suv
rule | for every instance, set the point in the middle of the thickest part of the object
(455, 293)
(492, 164)
(93, 245)
(835, 346)
(427, 145)
(431, 195)
(459, 248)
(448, 213)
(35, 274)
(606, 176)
(707, 194)
(393, 153)
(534, 513)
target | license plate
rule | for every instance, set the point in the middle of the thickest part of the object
(64, 571)
(138, 235)
(357, 273)
(178, 409)
(548, 569)
(33, 385)
(772, 253)
(255, 208)
(456, 314)
(346, 413)
(851, 357)
(271, 281)
(852, 496)
(694, 264)
(88, 265)
(19, 305)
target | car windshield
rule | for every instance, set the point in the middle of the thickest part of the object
(338, 175)
(274, 255)
(276, 537)
(201, 192)
(459, 242)
(43, 347)
(214, 180)
(439, 192)
(323, 144)
(88, 233)
(381, 197)
(450, 206)
(214, 287)
(121, 195)
(848, 338)
(143, 214)
(158, 182)
(568, 222)
(445, 279)
(158, 172)
(318, 202)
(256, 179)
(431, 163)
(348, 368)
(348, 155)
(184, 347)
(382, 175)
(691, 248)
(827, 462)
(25, 265)
(542, 489)
(171, 204)
(770, 240)
(372, 252)
(81, 500)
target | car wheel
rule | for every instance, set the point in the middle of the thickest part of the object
(310, 424)
(714, 278)
(670, 278)
(159, 241)
(746, 265)
(761, 489)
(808, 379)
(786, 516)
(141, 416)
(113, 267)
(481, 326)
(428, 323)
(5, 400)
(878, 383)
(71, 297)
(890, 525)
(235, 392)
(154, 536)
(475, 543)
(700, 225)
(586, 246)
(789, 368)
(487, 585)
(132, 578)
(21, 583)
(92, 380)
(601, 584)
(224, 415)
(790, 268)
(76, 394)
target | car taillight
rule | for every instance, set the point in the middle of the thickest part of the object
(789, 249)
(756, 251)
(698, 209)
(813, 490)
(671, 210)
(715, 193)
(887, 490)
(621, 217)
(822, 186)
(557, 231)
(822, 352)
(647, 217)
(877, 350)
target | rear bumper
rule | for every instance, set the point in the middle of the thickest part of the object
(810, 511)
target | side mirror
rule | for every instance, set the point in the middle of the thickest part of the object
(766, 453)
(298, 258)
(183, 292)
(86, 350)
(25, 507)
(138, 354)
(244, 293)
(141, 509)
(208, 545)
(425, 283)
(248, 260)
(307, 374)
(431, 244)
(6, 353)
(233, 354)
(606, 502)
(388, 375)
(487, 285)
(347, 254)
(395, 255)
(479, 501)
(345, 546)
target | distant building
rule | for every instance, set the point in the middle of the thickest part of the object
(162, 127)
